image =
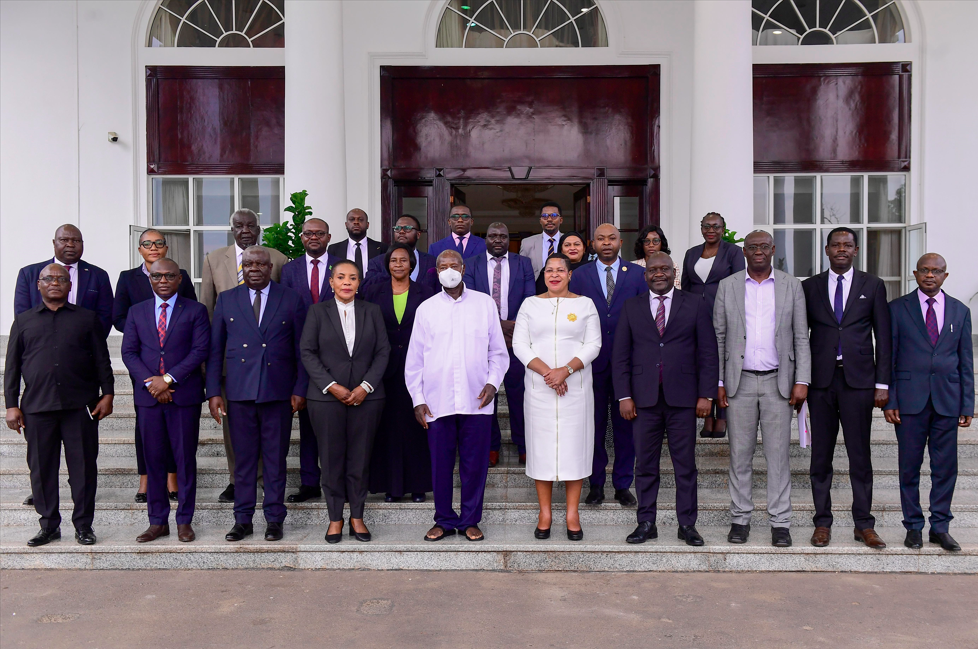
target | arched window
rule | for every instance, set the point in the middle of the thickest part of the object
(522, 23)
(218, 23)
(826, 22)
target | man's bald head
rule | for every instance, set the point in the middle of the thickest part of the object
(607, 243)
(165, 265)
(256, 267)
(165, 277)
(931, 259)
(256, 252)
(930, 273)
(68, 244)
(54, 284)
(357, 224)
(446, 258)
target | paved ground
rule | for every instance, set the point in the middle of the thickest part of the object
(194, 609)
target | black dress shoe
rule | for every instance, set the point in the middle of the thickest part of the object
(306, 492)
(419, 497)
(914, 540)
(360, 536)
(85, 536)
(738, 533)
(392, 499)
(689, 534)
(595, 496)
(44, 537)
(29, 501)
(945, 540)
(575, 535)
(646, 530)
(140, 497)
(780, 537)
(625, 498)
(227, 496)
(273, 532)
(541, 534)
(335, 538)
(239, 531)
(174, 496)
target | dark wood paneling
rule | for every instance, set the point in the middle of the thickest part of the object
(832, 118)
(215, 120)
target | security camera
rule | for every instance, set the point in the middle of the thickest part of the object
(113, 136)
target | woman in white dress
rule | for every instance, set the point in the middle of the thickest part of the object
(557, 336)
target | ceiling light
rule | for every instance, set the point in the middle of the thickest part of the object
(466, 7)
(777, 32)
(585, 9)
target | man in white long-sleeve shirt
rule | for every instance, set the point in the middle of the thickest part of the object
(455, 362)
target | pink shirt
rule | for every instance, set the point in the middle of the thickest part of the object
(761, 352)
(464, 240)
(456, 348)
(938, 308)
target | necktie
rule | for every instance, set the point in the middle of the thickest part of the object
(550, 250)
(660, 324)
(72, 294)
(240, 274)
(161, 330)
(497, 280)
(839, 308)
(358, 258)
(257, 305)
(932, 330)
(314, 282)
(609, 282)
(459, 244)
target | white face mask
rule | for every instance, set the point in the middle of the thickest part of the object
(449, 278)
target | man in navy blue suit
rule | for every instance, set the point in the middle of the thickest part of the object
(461, 239)
(90, 285)
(407, 230)
(665, 365)
(932, 393)
(256, 330)
(508, 278)
(308, 276)
(609, 281)
(165, 342)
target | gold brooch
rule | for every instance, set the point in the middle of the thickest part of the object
(572, 317)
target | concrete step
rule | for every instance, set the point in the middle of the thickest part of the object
(512, 506)
(713, 472)
(507, 547)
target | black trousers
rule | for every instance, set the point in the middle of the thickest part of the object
(346, 439)
(853, 408)
(939, 435)
(649, 429)
(45, 433)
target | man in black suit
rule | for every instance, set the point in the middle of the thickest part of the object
(407, 230)
(665, 333)
(358, 248)
(932, 394)
(59, 350)
(847, 309)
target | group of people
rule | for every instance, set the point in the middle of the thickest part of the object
(392, 359)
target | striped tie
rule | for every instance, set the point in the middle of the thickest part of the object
(660, 324)
(240, 274)
(609, 284)
(161, 330)
(931, 321)
(551, 250)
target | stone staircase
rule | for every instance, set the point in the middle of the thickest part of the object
(509, 518)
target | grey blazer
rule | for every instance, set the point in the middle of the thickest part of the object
(791, 336)
(531, 248)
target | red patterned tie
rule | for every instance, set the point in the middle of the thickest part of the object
(931, 321)
(660, 324)
(161, 329)
(314, 282)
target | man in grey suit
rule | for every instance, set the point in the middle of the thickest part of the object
(222, 272)
(540, 246)
(765, 367)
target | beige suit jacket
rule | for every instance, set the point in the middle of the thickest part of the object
(221, 273)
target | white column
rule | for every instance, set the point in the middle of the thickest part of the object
(315, 130)
(723, 147)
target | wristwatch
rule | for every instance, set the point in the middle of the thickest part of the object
(169, 379)
(570, 370)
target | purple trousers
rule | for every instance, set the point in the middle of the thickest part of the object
(260, 430)
(624, 468)
(468, 436)
(170, 431)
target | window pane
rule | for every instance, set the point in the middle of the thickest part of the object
(795, 252)
(171, 201)
(860, 241)
(626, 220)
(760, 200)
(213, 201)
(207, 241)
(418, 208)
(794, 199)
(883, 260)
(915, 247)
(842, 199)
(887, 196)
(178, 248)
(261, 195)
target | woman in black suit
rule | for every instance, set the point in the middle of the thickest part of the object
(401, 461)
(344, 349)
(132, 288)
(703, 268)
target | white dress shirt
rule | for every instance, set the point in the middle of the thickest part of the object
(846, 286)
(73, 276)
(654, 303)
(264, 300)
(348, 320)
(457, 347)
(417, 266)
(938, 308)
(503, 283)
(323, 271)
(351, 251)
(545, 246)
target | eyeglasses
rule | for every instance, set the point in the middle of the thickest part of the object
(51, 279)
(314, 234)
(936, 272)
(550, 217)
(764, 247)
(404, 228)
(64, 241)
(653, 242)
(159, 243)
(716, 227)
(169, 276)
(254, 264)
(459, 217)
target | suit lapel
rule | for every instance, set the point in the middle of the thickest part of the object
(949, 316)
(84, 276)
(718, 261)
(740, 297)
(231, 264)
(675, 312)
(387, 300)
(333, 314)
(619, 280)
(359, 316)
(513, 261)
(858, 281)
(247, 309)
(912, 304)
(780, 297)
(823, 291)
(274, 299)
(174, 317)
